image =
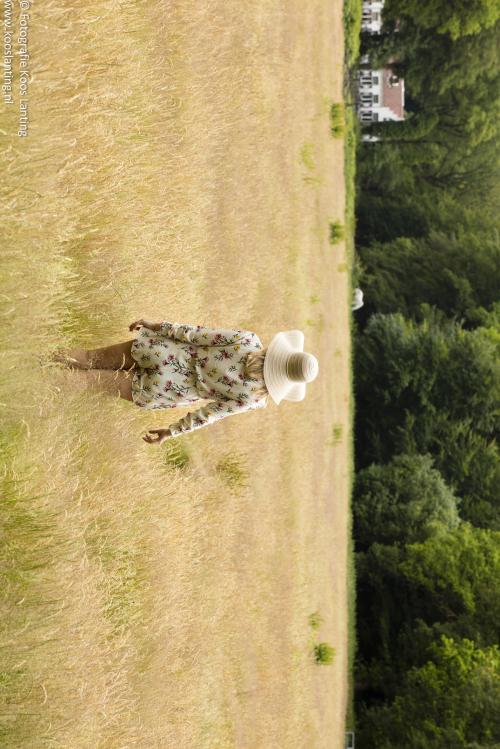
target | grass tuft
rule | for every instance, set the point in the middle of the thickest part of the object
(175, 454)
(324, 653)
(231, 471)
(337, 232)
(337, 435)
(307, 156)
(315, 620)
(337, 120)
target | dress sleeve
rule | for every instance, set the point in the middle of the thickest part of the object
(211, 413)
(202, 336)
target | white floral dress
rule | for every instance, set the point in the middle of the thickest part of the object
(182, 364)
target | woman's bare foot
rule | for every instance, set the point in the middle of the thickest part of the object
(117, 383)
(117, 356)
(73, 358)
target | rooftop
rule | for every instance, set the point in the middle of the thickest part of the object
(393, 93)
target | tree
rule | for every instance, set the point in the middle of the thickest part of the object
(470, 463)
(448, 142)
(447, 584)
(431, 63)
(462, 577)
(414, 380)
(402, 502)
(427, 232)
(459, 273)
(451, 701)
(457, 19)
(409, 597)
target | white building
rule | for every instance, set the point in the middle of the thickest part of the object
(381, 95)
(371, 18)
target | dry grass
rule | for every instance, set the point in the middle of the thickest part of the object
(143, 603)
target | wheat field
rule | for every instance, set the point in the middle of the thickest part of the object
(178, 166)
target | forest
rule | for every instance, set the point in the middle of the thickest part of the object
(426, 501)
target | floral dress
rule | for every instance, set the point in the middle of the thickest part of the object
(182, 364)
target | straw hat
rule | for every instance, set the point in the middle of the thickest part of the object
(287, 368)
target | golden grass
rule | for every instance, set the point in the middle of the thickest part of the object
(150, 598)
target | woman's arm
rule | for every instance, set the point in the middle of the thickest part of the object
(205, 416)
(202, 336)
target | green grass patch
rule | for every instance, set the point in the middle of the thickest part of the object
(337, 232)
(315, 620)
(231, 470)
(350, 146)
(337, 434)
(26, 545)
(318, 323)
(352, 39)
(307, 157)
(352, 641)
(310, 180)
(175, 454)
(355, 273)
(352, 31)
(337, 120)
(324, 653)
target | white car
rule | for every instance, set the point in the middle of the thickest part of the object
(357, 300)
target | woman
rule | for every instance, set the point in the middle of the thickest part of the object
(170, 365)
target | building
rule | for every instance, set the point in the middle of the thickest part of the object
(371, 16)
(381, 96)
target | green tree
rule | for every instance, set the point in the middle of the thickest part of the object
(405, 501)
(448, 141)
(451, 701)
(427, 228)
(432, 63)
(462, 578)
(414, 380)
(470, 463)
(447, 584)
(457, 19)
(459, 273)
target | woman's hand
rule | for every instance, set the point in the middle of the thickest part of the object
(144, 323)
(163, 434)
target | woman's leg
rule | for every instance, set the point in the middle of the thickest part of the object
(118, 384)
(117, 356)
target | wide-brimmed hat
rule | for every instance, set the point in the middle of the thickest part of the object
(287, 368)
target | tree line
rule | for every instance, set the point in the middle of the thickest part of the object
(426, 501)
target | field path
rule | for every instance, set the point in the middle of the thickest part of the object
(272, 179)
